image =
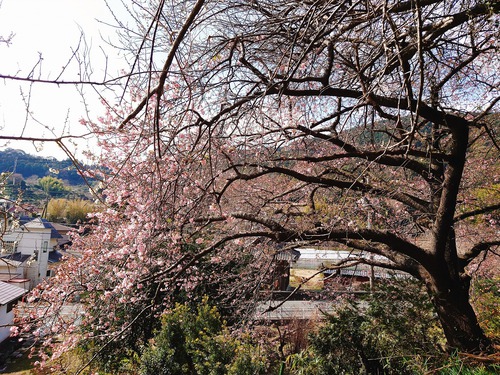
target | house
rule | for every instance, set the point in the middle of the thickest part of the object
(353, 272)
(26, 250)
(13, 208)
(63, 230)
(12, 269)
(9, 296)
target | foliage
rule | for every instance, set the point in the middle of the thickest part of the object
(395, 331)
(456, 365)
(78, 210)
(69, 210)
(56, 209)
(278, 124)
(486, 300)
(28, 165)
(115, 356)
(52, 186)
(81, 360)
(199, 343)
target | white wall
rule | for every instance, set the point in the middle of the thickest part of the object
(33, 240)
(6, 318)
(38, 243)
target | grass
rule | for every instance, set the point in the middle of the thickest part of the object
(299, 275)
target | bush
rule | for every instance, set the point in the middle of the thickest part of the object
(69, 211)
(486, 301)
(199, 343)
(467, 366)
(395, 331)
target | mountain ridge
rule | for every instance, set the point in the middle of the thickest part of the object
(27, 165)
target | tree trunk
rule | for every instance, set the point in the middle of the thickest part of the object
(458, 319)
(449, 286)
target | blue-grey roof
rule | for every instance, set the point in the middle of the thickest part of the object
(55, 256)
(18, 257)
(9, 292)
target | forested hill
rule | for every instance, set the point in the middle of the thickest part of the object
(17, 161)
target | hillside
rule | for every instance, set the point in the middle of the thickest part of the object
(19, 162)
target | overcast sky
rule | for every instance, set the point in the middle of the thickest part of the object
(51, 29)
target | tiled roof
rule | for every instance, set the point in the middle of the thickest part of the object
(62, 228)
(65, 240)
(8, 276)
(9, 292)
(288, 255)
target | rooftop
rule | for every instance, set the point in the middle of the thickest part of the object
(38, 222)
(9, 292)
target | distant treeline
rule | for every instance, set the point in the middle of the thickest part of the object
(17, 161)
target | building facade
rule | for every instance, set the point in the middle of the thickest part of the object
(25, 251)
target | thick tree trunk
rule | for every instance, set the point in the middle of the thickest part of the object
(458, 319)
(448, 285)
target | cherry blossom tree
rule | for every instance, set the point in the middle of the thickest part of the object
(244, 125)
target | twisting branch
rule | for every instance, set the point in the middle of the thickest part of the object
(479, 211)
(158, 90)
(477, 249)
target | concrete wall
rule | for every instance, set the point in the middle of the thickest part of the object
(6, 318)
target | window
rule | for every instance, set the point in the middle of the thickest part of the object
(9, 247)
(12, 304)
(45, 246)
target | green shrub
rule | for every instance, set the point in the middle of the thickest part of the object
(393, 331)
(199, 343)
(459, 366)
(486, 301)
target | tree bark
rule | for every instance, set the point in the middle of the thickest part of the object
(449, 287)
(457, 317)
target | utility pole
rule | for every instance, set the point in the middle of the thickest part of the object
(372, 269)
(365, 203)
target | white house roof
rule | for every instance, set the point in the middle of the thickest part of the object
(33, 223)
(9, 292)
(327, 255)
(39, 223)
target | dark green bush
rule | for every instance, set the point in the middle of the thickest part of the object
(393, 331)
(200, 343)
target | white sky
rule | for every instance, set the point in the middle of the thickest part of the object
(51, 28)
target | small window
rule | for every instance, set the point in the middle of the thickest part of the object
(45, 246)
(11, 305)
(9, 247)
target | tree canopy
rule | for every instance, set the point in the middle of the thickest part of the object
(244, 125)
